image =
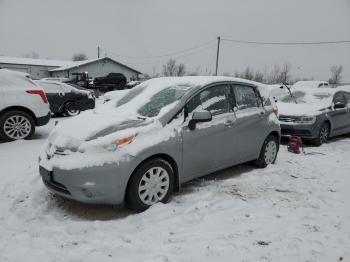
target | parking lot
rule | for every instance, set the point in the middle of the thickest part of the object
(295, 210)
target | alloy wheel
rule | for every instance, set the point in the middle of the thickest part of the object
(324, 133)
(17, 127)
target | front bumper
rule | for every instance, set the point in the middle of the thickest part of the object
(306, 131)
(94, 185)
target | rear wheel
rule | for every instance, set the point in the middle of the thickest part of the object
(16, 125)
(71, 109)
(268, 153)
(152, 182)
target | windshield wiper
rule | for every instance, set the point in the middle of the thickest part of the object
(141, 117)
(290, 93)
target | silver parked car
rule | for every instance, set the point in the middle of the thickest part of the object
(141, 147)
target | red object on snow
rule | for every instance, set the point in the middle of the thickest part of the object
(294, 144)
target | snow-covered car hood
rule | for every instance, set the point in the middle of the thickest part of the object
(291, 109)
(92, 125)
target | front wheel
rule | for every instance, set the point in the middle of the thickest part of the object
(268, 153)
(152, 182)
(323, 135)
(16, 125)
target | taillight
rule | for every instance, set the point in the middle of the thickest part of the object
(275, 111)
(41, 93)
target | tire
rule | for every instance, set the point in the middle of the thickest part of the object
(323, 135)
(142, 191)
(16, 125)
(268, 152)
(71, 109)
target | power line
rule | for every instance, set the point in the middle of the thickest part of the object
(165, 55)
(174, 56)
(286, 43)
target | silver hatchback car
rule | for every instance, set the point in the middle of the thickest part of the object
(138, 148)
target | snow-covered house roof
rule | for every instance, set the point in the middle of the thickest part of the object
(85, 62)
(33, 61)
(57, 65)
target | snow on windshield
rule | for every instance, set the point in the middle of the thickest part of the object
(312, 98)
(162, 99)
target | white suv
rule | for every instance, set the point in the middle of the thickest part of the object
(23, 105)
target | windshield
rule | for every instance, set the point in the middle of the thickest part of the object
(147, 101)
(160, 100)
(308, 98)
(130, 95)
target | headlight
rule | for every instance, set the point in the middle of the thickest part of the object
(306, 120)
(125, 140)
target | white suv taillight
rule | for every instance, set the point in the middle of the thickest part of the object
(41, 93)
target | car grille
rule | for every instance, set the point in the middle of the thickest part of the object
(288, 119)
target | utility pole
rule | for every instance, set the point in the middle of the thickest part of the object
(98, 52)
(217, 56)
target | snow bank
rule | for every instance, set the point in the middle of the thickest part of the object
(295, 210)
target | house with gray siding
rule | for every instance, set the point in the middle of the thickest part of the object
(41, 68)
(96, 68)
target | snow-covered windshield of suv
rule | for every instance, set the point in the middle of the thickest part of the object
(301, 97)
(161, 100)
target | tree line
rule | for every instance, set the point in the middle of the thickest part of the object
(277, 75)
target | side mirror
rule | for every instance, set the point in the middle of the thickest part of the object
(339, 105)
(199, 116)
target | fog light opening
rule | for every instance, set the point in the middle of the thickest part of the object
(87, 193)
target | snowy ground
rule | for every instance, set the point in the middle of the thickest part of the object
(295, 210)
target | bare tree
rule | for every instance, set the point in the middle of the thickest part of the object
(79, 57)
(279, 74)
(250, 74)
(259, 77)
(336, 76)
(33, 54)
(181, 70)
(172, 69)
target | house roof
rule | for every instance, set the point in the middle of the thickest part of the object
(85, 62)
(58, 64)
(32, 61)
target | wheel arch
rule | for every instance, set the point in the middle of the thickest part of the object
(168, 159)
(275, 134)
(20, 108)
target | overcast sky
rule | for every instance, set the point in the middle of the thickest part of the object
(137, 31)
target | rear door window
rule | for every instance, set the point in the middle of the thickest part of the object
(245, 97)
(215, 99)
(51, 88)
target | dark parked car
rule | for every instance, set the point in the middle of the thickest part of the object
(315, 114)
(66, 99)
(110, 82)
